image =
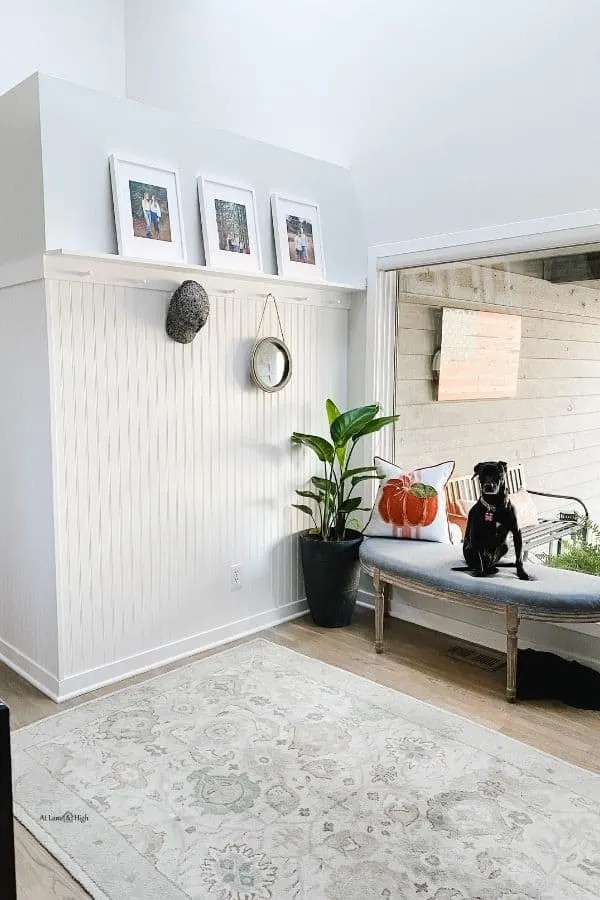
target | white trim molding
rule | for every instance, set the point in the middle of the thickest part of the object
(380, 355)
(27, 668)
(530, 236)
(147, 661)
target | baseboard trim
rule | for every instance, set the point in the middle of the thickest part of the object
(31, 671)
(111, 673)
(492, 635)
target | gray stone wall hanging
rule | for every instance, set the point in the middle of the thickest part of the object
(188, 312)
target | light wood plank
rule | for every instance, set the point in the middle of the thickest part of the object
(473, 284)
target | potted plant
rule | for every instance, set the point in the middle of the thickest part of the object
(581, 553)
(329, 550)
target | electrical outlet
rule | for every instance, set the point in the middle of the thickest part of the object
(236, 577)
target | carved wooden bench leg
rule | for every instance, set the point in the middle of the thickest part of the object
(379, 611)
(512, 641)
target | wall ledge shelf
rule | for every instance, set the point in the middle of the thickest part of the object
(106, 268)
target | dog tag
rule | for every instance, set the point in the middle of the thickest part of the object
(489, 517)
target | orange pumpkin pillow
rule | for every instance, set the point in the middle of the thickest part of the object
(411, 504)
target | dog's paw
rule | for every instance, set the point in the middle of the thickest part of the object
(522, 575)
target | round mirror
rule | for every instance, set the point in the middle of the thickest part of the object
(271, 364)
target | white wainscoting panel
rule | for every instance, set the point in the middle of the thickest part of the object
(170, 467)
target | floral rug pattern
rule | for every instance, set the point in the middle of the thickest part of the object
(261, 774)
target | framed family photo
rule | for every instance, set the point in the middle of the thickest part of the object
(229, 225)
(298, 239)
(147, 205)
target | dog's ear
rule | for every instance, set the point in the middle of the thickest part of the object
(504, 467)
(478, 468)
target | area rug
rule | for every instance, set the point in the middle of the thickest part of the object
(261, 774)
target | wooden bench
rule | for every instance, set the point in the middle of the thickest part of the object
(548, 531)
(554, 595)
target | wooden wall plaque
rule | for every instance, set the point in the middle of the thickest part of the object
(479, 355)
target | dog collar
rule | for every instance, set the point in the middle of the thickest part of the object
(490, 510)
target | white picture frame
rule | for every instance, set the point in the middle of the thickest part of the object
(138, 234)
(298, 238)
(229, 225)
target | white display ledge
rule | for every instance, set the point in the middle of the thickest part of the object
(105, 268)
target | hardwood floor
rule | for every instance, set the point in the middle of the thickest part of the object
(415, 662)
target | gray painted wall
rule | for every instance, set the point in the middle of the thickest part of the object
(81, 128)
(21, 190)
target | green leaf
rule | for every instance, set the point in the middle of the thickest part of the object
(319, 445)
(352, 422)
(357, 479)
(349, 473)
(423, 490)
(324, 484)
(332, 411)
(375, 425)
(332, 414)
(311, 495)
(350, 505)
(304, 509)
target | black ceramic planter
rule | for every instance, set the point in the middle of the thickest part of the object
(331, 575)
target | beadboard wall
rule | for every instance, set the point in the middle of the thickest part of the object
(168, 465)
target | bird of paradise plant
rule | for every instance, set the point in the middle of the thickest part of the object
(333, 492)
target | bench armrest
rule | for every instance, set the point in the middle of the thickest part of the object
(561, 497)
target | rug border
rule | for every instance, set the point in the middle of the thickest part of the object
(68, 863)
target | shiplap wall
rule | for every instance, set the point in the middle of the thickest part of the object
(170, 467)
(553, 425)
(28, 620)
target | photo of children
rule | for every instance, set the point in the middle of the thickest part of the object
(150, 211)
(232, 226)
(300, 240)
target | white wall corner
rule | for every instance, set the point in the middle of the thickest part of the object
(28, 615)
(22, 227)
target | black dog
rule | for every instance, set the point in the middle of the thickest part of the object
(490, 522)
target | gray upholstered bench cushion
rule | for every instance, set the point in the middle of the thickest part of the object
(431, 565)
